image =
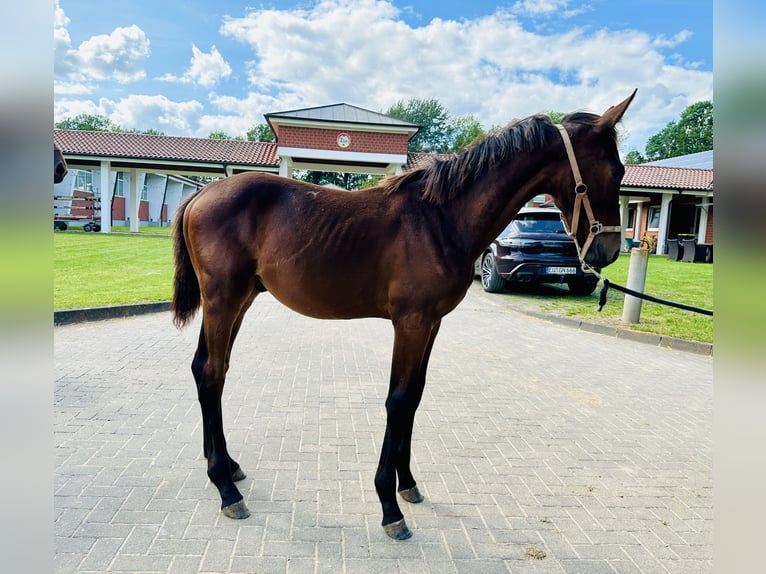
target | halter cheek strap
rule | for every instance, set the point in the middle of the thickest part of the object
(581, 199)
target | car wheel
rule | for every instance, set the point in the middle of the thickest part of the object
(87, 228)
(490, 278)
(582, 285)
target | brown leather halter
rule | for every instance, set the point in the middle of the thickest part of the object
(581, 199)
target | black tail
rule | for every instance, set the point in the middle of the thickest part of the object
(186, 294)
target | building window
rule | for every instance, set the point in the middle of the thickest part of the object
(654, 217)
(83, 180)
(119, 184)
(145, 193)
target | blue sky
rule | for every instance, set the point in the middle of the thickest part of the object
(192, 67)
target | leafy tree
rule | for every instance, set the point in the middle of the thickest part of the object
(634, 157)
(221, 135)
(87, 122)
(98, 123)
(692, 133)
(439, 132)
(349, 181)
(430, 114)
(261, 133)
(556, 117)
(466, 130)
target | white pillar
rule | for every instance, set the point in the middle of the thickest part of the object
(623, 217)
(664, 218)
(286, 167)
(702, 230)
(135, 201)
(106, 197)
(637, 235)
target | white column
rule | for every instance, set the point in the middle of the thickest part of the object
(286, 167)
(664, 218)
(135, 201)
(702, 230)
(106, 198)
(623, 217)
(637, 235)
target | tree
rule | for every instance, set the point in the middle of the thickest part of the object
(692, 133)
(221, 135)
(97, 123)
(439, 131)
(87, 122)
(556, 117)
(261, 133)
(466, 130)
(634, 157)
(433, 119)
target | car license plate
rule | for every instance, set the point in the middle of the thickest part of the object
(561, 270)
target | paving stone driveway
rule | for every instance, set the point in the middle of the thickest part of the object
(539, 448)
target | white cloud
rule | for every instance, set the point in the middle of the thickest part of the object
(139, 112)
(361, 52)
(118, 56)
(536, 8)
(205, 69)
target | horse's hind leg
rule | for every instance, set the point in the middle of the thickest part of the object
(200, 358)
(219, 328)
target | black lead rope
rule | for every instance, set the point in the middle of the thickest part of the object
(608, 284)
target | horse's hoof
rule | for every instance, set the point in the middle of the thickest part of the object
(412, 494)
(238, 475)
(238, 510)
(398, 530)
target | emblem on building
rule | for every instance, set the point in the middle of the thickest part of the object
(344, 140)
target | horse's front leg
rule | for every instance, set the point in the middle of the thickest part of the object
(408, 488)
(413, 340)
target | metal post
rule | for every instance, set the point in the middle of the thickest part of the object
(639, 260)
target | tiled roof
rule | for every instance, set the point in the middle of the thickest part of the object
(152, 147)
(117, 146)
(659, 177)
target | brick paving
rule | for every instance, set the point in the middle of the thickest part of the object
(539, 449)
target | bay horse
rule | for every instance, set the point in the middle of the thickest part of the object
(59, 165)
(402, 251)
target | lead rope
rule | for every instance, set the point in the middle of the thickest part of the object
(581, 198)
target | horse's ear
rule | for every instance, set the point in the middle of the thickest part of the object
(614, 114)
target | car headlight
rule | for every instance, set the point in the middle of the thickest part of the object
(505, 241)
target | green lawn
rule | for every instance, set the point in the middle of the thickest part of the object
(95, 269)
(678, 281)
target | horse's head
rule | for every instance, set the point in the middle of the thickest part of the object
(587, 191)
(59, 165)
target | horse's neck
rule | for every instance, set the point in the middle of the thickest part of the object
(482, 211)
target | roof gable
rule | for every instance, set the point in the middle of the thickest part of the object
(341, 113)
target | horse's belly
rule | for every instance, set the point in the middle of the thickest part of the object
(325, 298)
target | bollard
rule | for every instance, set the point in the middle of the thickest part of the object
(639, 259)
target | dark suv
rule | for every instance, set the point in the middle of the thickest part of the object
(534, 248)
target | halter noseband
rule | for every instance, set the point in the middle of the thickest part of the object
(581, 198)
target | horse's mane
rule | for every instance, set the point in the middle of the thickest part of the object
(443, 178)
